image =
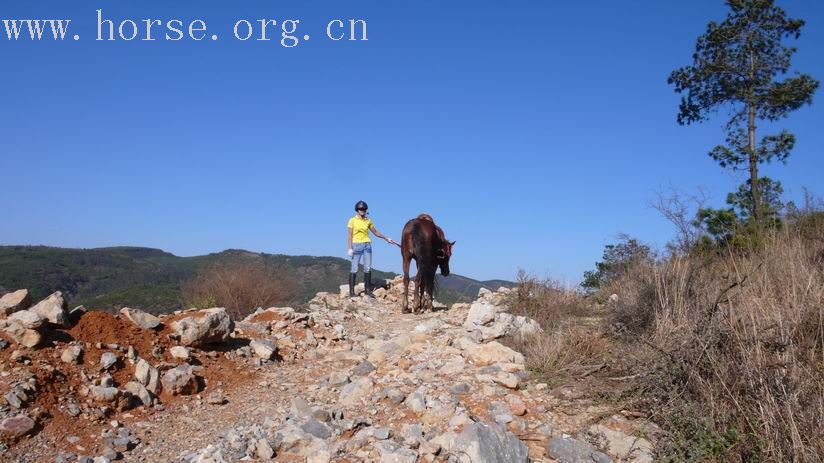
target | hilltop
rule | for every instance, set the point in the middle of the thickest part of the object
(151, 279)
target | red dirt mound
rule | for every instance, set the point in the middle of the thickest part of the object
(103, 327)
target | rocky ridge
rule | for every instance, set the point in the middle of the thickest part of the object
(347, 380)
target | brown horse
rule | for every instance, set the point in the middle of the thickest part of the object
(425, 242)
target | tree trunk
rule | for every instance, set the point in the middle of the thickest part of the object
(754, 187)
(754, 190)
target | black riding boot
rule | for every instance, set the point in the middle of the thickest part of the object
(352, 278)
(367, 283)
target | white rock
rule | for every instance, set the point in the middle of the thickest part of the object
(103, 394)
(429, 325)
(263, 450)
(491, 353)
(180, 352)
(139, 391)
(204, 326)
(506, 379)
(339, 332)
(526, 326)
(263, 348)
(417, 400)
(480, 313)
(30, 320)
(107, 360)
(53, 309)
(14, 301)
(353, 392)
(140, 318)
(180, 380)
(319, 456)
(464, 342)
(495, 331)
(72, 354)
(393, 453)
(147, 375)
(24, 336)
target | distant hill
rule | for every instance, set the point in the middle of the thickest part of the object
(150, 279)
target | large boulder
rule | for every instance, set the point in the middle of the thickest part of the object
(488, 318)
(15, 301)
(140, 318)
(29, 319)
(480, 313)
(26, 337)
(488, 443)
(204, 326)
(53, 309)
(180, 380)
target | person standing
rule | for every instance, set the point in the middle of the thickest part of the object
(360, 246)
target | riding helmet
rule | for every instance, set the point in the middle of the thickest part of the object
(361, 205)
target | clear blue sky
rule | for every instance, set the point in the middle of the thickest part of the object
(534, 132)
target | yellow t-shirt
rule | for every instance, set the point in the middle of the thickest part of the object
(360, 229)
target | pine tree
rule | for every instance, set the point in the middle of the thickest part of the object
(737, 64)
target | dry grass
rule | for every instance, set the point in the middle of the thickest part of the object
(736, 343)
(546, 301)
(571, 343)
(726, 349)
(239, 286)
(567, 351)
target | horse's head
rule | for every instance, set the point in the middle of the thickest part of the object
(443, 254)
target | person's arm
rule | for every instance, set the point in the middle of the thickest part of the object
(380, 235)
(349, 240)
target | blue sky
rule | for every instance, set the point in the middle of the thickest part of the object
(534, 132)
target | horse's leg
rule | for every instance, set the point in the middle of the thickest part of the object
(405, 306)
(422, 304)
(418, 291)
(424, 292)
(431, 296)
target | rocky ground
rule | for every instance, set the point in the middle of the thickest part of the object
(348, 380)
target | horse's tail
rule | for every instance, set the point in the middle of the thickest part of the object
(425, 257)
